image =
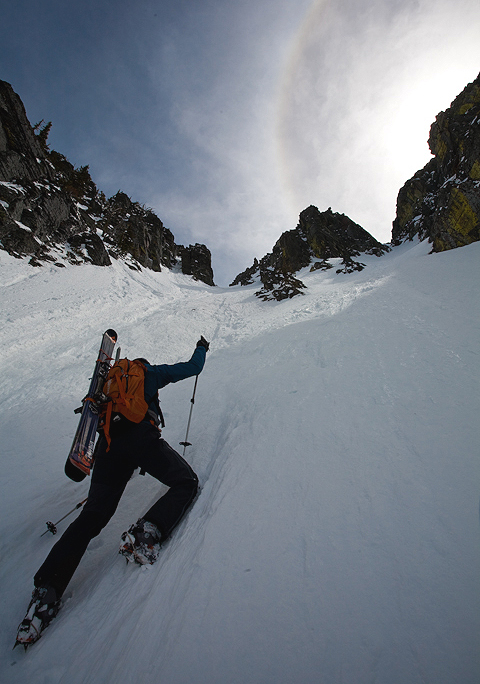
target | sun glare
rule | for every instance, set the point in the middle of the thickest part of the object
(357, 101)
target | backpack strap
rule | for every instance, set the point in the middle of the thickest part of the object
(115, 370)
(158, 411)
(106, 425)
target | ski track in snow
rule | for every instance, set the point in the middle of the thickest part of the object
(336, 535)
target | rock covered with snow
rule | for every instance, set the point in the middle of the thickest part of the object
(318, 236)
(53, 212)
(442, 201)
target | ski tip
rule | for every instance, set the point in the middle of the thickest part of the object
(73, 472)
(111, 333)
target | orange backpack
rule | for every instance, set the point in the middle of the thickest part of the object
(124, 388)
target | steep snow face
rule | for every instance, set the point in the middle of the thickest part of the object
(335, 435)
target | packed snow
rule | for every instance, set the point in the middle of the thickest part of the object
(336, 438)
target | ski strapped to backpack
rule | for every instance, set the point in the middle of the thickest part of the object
(80, 457)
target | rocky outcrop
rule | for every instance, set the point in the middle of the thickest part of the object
(22, 154)
(442, 201)
(196, 261)
(318, 235)
(135, 233)
(53, 212)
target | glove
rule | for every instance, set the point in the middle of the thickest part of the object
(202, 342)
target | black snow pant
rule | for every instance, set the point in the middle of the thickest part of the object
(132, 446)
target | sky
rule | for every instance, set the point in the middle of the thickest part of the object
(229, 118)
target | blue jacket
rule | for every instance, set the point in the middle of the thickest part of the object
(157, 377)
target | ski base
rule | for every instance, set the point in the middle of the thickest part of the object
(80, 459)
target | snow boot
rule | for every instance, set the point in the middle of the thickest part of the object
(42, 609)
(141, 543)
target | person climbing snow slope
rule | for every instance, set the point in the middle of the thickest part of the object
(120, 449)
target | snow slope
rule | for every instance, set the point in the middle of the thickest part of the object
(335, 435)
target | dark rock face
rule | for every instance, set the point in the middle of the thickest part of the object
(442, 201)
(21, 152)
(132, 231)
(335, 235)
(53, 212)
(196, 261)
(321, 235)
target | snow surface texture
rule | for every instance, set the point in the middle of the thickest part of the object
(335, 435)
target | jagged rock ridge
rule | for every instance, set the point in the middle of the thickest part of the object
(442, 201)
(318, 235)
(53, 212)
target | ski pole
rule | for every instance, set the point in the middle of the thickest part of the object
(52, 527)
(192, 400)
